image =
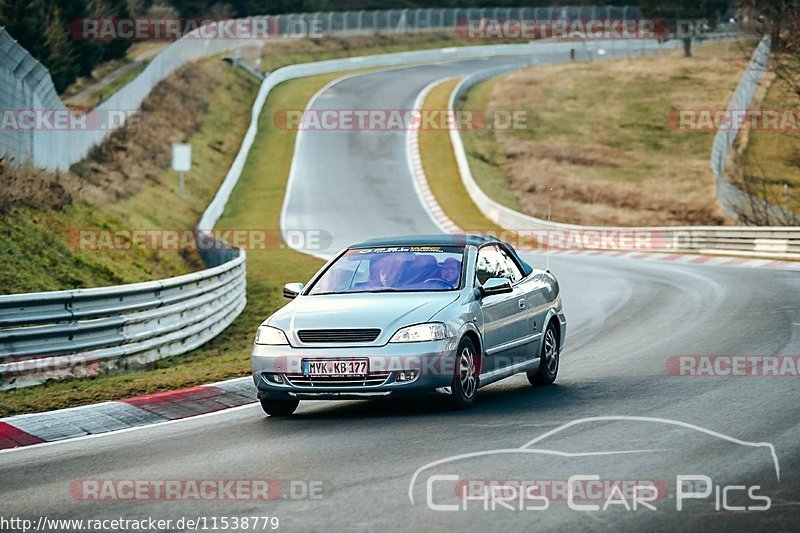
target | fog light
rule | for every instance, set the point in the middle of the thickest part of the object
(273, 378)
(407, 375)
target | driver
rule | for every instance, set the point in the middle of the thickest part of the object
(451, 271)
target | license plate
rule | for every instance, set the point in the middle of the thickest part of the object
(343, 367)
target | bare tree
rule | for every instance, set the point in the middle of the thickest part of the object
(780, 19)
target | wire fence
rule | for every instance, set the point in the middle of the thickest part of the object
(26, 84)
(735, 202)
(411, 20)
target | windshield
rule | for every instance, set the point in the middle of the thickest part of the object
(398, 268)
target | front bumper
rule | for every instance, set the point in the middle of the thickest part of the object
(433, 362)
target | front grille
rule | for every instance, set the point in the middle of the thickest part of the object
(320, 336)
(372, 380)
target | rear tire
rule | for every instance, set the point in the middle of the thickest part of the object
(464, 386)
(548, 359)
(279, 407)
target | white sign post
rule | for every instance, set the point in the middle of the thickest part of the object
(181, 160)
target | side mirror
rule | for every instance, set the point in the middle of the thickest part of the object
(496, 286)
(292, 290)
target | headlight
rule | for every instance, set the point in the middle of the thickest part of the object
(270, 335)
(433, 331)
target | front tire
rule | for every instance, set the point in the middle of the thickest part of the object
(279, 407)
(548, 359)
(466, 373)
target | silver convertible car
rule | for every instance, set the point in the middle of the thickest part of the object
(407, 315)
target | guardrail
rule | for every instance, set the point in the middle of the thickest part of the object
(427, 19)
(777, 242)
(84, 332)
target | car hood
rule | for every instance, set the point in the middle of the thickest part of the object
(387, 311)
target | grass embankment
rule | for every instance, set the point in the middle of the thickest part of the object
(124, 183)
(597, 143)
(769, 166)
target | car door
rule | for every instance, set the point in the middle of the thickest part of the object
(503, 314)
(530, 310)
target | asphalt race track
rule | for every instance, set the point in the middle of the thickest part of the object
(626, 318)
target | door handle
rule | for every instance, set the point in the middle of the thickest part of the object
(522, 303)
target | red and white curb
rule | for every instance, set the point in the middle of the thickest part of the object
(62, 424)
(418, 172)
(448, 226)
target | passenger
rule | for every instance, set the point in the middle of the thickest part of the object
(451, 271)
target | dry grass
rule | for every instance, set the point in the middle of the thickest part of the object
(597, 142)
